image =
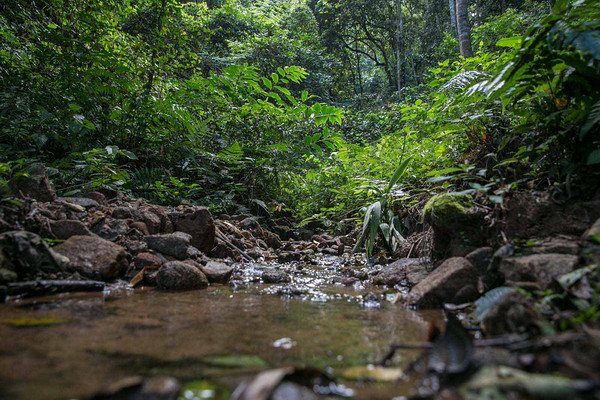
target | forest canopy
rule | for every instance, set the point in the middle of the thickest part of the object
(311, 106)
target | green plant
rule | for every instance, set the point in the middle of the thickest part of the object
(379, 217)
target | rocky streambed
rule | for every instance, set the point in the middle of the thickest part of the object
(110, 297)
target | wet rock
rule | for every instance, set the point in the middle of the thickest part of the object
(449, 283)
(136, 388)
(147, 260)
(141, 227)
(172, 244)
(557, 245)
(217, 272)
(177, 275)
(293, 391)
(166, 226)
(96, 196)
(152, 221)
(284, 232)
(481, 258)
(457, 224)
(35, 185)
(93, 257)
(199, 223)
(25, 254)
(404, 271)
(255, 253)
(272, 240)
(540, 268)
(513, 313)
(79, 201)
(221, 250)
(330, 251)
(287, 257)
(349, 272)
(123, 212)
(65, 228)
(250, 224)
(275, 276)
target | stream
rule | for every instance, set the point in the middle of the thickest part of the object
(76, 345)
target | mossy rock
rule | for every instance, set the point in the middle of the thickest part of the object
(445, 209)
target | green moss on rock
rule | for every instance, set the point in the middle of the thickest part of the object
(444, 209)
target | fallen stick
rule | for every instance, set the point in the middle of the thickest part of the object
(39, 288)
(244, 255)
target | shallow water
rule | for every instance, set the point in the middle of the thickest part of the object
(85, 342)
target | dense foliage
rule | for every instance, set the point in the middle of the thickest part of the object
(314, 106)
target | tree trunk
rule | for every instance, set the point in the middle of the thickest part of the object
(452, 7)
(399, 29)
(464, 29)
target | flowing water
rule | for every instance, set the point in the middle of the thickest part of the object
(74, 345)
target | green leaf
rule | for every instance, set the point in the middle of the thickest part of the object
(304, 95)
(594, 157)
(74, 107)
(318, 149)
(512, 42)
(307, 140)
(281, 71)
(399, 173)
(267, 83)
(52, 26)
(275, 78)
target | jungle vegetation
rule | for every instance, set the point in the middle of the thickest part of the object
(323, 108)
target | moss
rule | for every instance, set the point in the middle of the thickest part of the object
(443, 209)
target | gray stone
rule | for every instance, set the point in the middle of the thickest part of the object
(177, 275)
(559, 245)
(407, 271)
(481, 258)
(25, 254)
(94, 257)
(275, 276)
(286, 257)
(217, 272)
(123, 212)
(272, 240)
(35, 184)
(199, 223)
(80, 201)
(446, 284)
(512, 313)
(540, 268)
(172, 244)
(65, 228)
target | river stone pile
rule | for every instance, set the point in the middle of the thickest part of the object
(105, 236)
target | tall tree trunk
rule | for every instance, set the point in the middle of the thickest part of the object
(464, 29)
(452, 6)
(399, 29)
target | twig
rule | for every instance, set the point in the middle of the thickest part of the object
(222, 237)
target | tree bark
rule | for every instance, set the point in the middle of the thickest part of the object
(399, 29)
(464, 28)
(452, 6)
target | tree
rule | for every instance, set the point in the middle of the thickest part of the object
(464, 28)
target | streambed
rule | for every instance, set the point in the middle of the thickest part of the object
(76, 345)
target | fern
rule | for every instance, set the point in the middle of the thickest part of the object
(592, 119)
(462, 80)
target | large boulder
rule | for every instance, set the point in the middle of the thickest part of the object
(199, 223)
(34, 184)
(458, 225)
(539, 268)
(454, 281)
(94, 257)
(177, 275)
(175, 244)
